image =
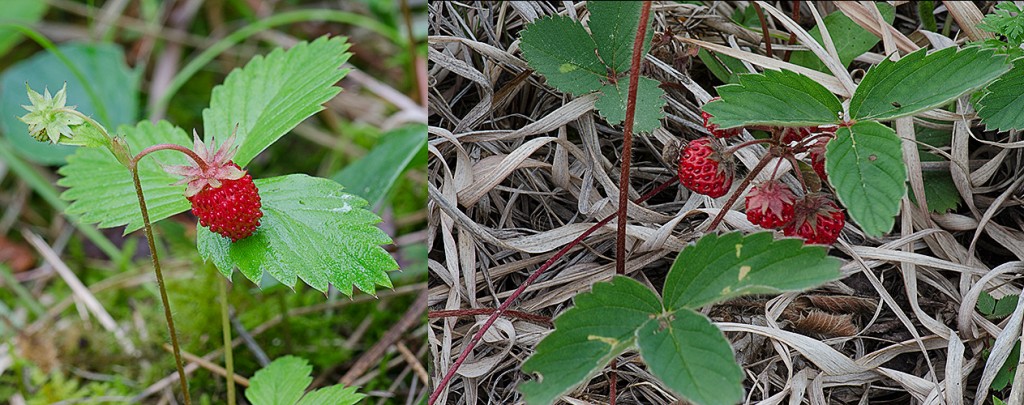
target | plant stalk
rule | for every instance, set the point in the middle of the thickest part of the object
(743, 185)
(160, 281)
(627, 139)
(225, 325)
(533, 277)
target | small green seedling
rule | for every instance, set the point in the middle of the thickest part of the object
(284, 382)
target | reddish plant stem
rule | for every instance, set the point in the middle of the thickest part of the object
(736, 194)
(798, 172)
(533, 277)
(170, 146)
(764, 29)
(612, 381)
(746, 144)
(792, 36)
(627, 139)
(455, 313)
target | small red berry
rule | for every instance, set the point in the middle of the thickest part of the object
(770, 204)
(816, 219)
(232, 210)
(223, 195)
(704, 169)
(714, 129)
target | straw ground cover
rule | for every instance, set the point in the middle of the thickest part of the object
(519, 169)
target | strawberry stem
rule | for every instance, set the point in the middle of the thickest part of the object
(627, 138)
(170, 146)
(225, 325)
(743, 185)
(160, 278)
(503, 308)
(745, 144)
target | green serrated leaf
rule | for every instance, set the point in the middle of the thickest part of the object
(588, 336)
(613, 25)
(1007, 370)
(986, 303)
(101, 189)
(561, 50)
(718, 268)
(1005, 306)
(650, 104)
(271, 95)
(310, 230)
(692, 357)
(373, 175)
(864, 164)
(1001, 106)
(103, 67)
(281, 382)
(922, 81)
(333, 395)
(851, 40)
(775, 98)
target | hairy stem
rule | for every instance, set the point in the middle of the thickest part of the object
(743, 185)
(160, 281)
(533, 277)
(170, 146)
(225, 325)
(627, 139)
(792, 35)
(746, 144)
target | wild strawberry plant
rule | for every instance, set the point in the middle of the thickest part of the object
(293, 227)
(680, 346)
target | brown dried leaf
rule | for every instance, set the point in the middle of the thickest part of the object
(825, 325)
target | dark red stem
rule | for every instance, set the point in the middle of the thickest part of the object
(533, 277)
(743, 185)
(627, 139)
(455, 313)
(170, 146)
(764, 29)
(792, 35)
(611, 381)
(746, 144)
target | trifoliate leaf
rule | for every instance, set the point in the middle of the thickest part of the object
(776, 98)
(865, 166)
(283, 382)
(921, 81)
(101, 189)
(1002, 106)
(851, 40)
(271, 95)
(650, 102)
(561, 50)
(310, 230)
(588, 336)
(613, 25)
(692, 357)
(718, 268)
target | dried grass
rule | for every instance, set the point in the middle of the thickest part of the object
(517, 170)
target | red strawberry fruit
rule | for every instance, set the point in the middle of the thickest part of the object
(704, 169)
(223, 195)
(816, 219)
(714, 129)
(770, 204)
